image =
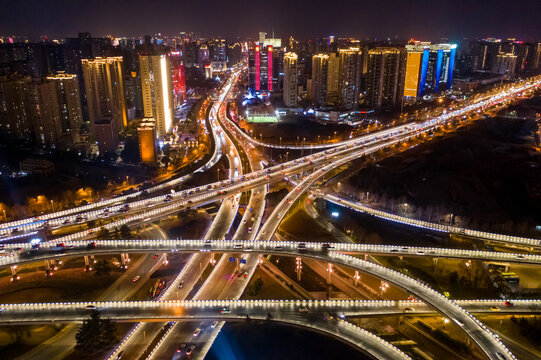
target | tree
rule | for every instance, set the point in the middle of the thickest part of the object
(102, 234)
(95, 335)
(103, 267)
(125, 231)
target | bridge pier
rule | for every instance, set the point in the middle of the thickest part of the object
(365, 257)
(260, 259)
(88, 267)
(165, 261)
(14, 275)
(329, 271)
(298, 269)
(356, 278)
(213, 260)
(124, 259)
(48, 271)
(435, 263)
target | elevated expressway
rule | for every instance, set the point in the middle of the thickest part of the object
(411, 129)
(482, 336)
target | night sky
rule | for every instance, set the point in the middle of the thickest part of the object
(422, 19)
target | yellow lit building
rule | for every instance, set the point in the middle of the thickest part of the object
(157, 89)
(290, 79)
(105, 90)
(147, 140)
(318, 94)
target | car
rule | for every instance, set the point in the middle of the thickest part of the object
(197, 332)
(278, 247)
(303, 309)
(509, 303)
(136, 278)
(214, 324)
(225, 310)
(494, 308)
(180, 285)
(250, 229)
(119, 356)
(394, 250)
(155, 256)
(244, 221)
(67, 221)
(181, 347)
(237, 246)
(190, 350)
(90, 307)
(409, 309)
(91, 245)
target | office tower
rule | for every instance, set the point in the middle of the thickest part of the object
(219, 51)
(265, 41)
(429, 68)
(106, 134)
(505, 64)
(178, 75)
(350, 77)
(69, 102)
(260, 69)
(203, 56)
(157, 91)
(105, 90)
(146, 131)
(535, 56)
(47, 122)
(290, 79)
(234, 54)
(383, 79)
(318, 94)
(17, 107)
(333, 79)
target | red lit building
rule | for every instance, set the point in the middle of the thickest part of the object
(178, 77)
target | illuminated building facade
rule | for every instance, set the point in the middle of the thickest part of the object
(157, 91)
(146, 131)
(69, 101)
(350, 77)
(17, 107)
(106, 134)
(318, 93)
(105, 90)
(384, 77)
(260, 65)
(290, 79)
(178, 74)
(429, 68)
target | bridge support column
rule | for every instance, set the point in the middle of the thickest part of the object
(298, 269)
(356, 278)
(124, 259)
(260, 259)
(88, 267)
(165, 261)
(383, 287)
(401, 258)
(435, 263)
(329, 271)
(213, 260)
(14, 275)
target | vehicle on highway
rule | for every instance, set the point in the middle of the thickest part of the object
(214, 324)
(197, 332)
(181, 347)
(180, 285)
(409, 309)
(136, 278)
(90, 307)
(190, 350)
(225, 310)
(494, 308)
(509, 303)
(303, 309)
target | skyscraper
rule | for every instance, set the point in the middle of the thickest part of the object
(178, 74)
(505, 64)
(157, 91)
(17, 107)
(350, 77)
(318, 94)
(260, 69)
(333, 79)
(384, 77)
(67, 90)
(47, 122)
(290, 79)
(429, 68)
(146, 131)
(105, 90)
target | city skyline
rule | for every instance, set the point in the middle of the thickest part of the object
(428, 20)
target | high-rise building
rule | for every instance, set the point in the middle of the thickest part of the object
(67, 90)
(333, 79)
(203, 56)
(318, 94)
(384, 77)
(350, 77)
(178, 75)
(290, 79)
(157, 91)
(17, 108)
(106, 134)
(265, 41)
(260, 69)
(105, 90)
(505, 64)
(146, 131)
(429, 68)
(47, 122)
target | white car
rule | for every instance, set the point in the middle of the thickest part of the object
(197, 332)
